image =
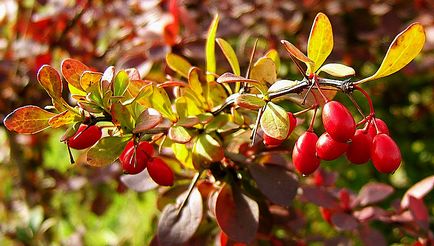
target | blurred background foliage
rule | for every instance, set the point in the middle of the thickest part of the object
(45, 200)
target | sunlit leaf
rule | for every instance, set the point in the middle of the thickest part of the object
(295, 52)
(249, 101)
(140, 182)
(418, 190)
(187, 105)
(277, 184)
(64, 118)
(210, 48)
(133, 73)
(373, 193)
(206, 150)
(320, 43)
(264, 71)
(237, 215)
(403, 49)
(90, 79)
(148, 119)
(108, 74)
(230, 55)
(72, 70)
(196, 85)
(188, 121)
(177, 227)
(337, 70)
(281, 85)
(419, 211)
(122, 117)
(275, 121)
(106, 151)
(28, 120)
(161, 102)
(179, 134)
(183, 154)
(72, 129)
(120, 84)
(141, 92)
(232, 78)
(178, 64)
(218, 122)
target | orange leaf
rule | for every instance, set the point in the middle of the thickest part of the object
(28, 120)
(72, 71)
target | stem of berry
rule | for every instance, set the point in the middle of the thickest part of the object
(356, 105)
(371, 106)
(312, 121)
(255, 130)
(304, 110)
(315, 80)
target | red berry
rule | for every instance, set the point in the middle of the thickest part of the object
(359, 150)
(133, 164)
(160, 172)
(344, 197)
(304, 155)
(270, 141)
(338, 121)
(385, 154)
(329, 149)
(382, 128)
(326, 214)
(85, 137)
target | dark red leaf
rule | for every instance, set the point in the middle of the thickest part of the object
(369, 213)
(174, 228)
(237, 214)
(277, 184)
(373, 193)
(344, 221)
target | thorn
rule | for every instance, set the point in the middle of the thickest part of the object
(190, 190)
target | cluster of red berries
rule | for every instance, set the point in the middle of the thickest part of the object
(341, 136)
(133, 159)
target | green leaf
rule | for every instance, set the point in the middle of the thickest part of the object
(72, 70)
(275, 121)
(122, 117)
(264, 71)
(186, 107)
(403, 49)
(218, 122)
(120, 83)
(250, 101)
(230, 55)
(206, 150)
(183, 154)
(337, 70)
(106, 151)
(178, 64)
(188, 121)
(28, 120)
(320, 43)
(179, 134)
(210, 49)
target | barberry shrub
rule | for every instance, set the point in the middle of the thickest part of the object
(229, 136)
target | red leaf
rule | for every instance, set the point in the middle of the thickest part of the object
(237, 214)
(419, 190)
(373, 193)
(28, 120)
(49, 78)
(371, 237)
(419, 211)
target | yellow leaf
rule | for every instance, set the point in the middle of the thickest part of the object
(210, 48)
(404, 48)
(64, 118)
(274, 55)
(230, 55)
(183, 154)
(89, 79)
(275, 121)
(178, 64)
(320, 42)
(337, 70)
(264, 71)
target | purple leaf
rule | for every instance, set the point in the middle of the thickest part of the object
(344, 221)
(419, 211)
(419, 190)
(277, 184)
(369, 213)
(371, 237)
(373, 193)
(320, 197)
(176, 227)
